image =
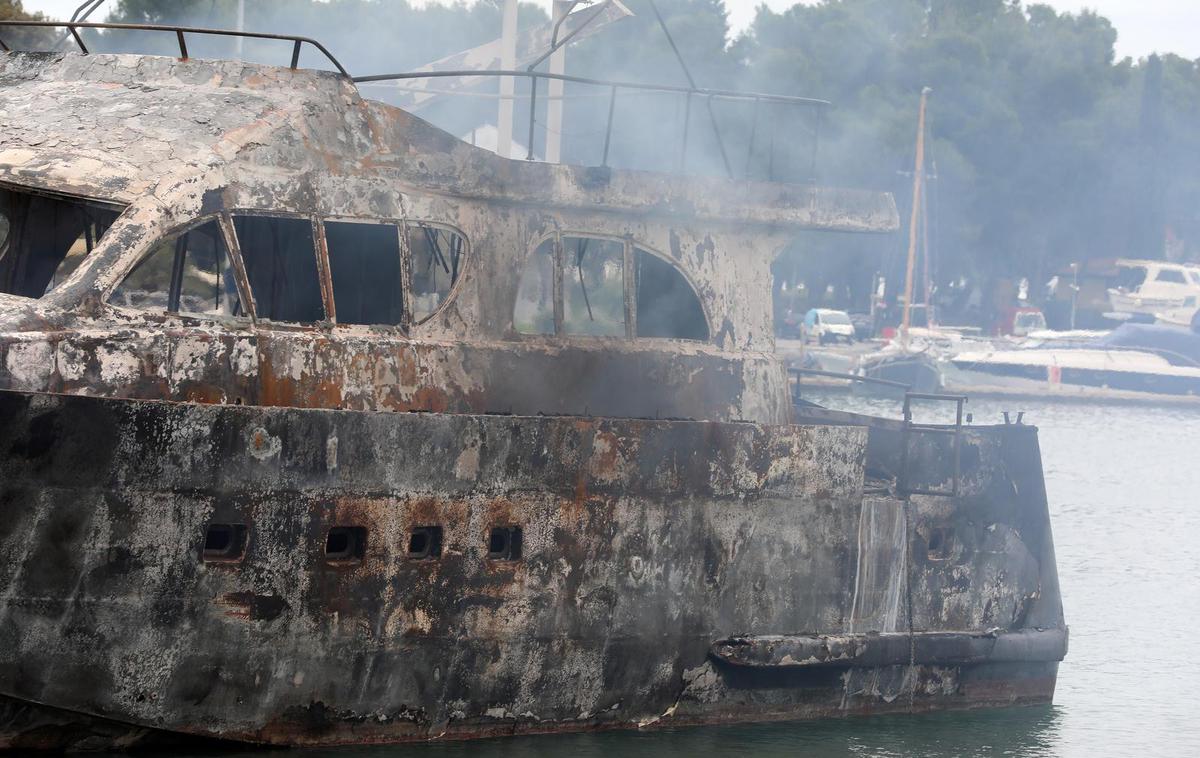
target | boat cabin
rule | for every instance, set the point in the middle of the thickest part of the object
(229, 233)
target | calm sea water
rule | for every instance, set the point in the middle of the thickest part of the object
(1124, 487)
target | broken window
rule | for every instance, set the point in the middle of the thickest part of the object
(667, 306)
(437, 258)
(189, 272)
(593, 292)
(281, 264)
(44, 238)
(593, 286)
(534, 311)
(364, 262)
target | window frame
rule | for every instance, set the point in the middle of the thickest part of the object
(317, 222)
(405, 279)
(630, 246)
(406, 268)
(1164, 270)
(121, 208)
(324, 281)
(225, 224)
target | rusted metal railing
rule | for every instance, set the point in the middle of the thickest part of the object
(73, 28)
(614, 87)
(688, 93)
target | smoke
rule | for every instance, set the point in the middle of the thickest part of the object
(663, 131)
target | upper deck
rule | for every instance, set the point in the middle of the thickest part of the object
(243, 202)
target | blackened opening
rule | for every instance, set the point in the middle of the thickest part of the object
(346, 543)
(425, 542)
(939, 548)
(504, 543)
(224, 542)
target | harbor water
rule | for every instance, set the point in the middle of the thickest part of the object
(1124, 490)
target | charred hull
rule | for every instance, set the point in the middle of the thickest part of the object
(256, 574)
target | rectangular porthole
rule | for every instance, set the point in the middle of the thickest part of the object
(224, 542)
(504, 543)
(346, 543)
(425, 542)
(939, 544)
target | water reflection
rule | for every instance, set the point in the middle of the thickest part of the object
(1015, 731)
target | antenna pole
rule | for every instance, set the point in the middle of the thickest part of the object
(914, 219)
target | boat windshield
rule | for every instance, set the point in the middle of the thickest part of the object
(44, 238)
(1130, 278)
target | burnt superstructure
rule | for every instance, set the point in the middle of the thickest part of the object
(322, 426)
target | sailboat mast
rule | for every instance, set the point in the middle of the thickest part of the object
(926, 281)
(918, 181)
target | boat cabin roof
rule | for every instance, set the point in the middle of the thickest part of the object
(171, 143)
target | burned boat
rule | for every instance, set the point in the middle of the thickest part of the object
(320, 426)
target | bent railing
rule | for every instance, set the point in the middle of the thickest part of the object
(180, 33)
(757, 99)
(760, 128)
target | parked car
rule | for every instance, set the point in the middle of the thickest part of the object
(827, 326)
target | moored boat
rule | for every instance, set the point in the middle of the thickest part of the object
(1133, 361)
(320, 426)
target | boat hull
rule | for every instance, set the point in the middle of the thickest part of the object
(645, 543)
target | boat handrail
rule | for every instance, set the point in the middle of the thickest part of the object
(180, 32)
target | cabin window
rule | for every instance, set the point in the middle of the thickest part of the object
(1171, 276)
(534, 311)
(593, 287)
(437, 258)
(603, 283)
(44, 238)
(188, 272)
(281, 264)
(667, 306)
(364, 263)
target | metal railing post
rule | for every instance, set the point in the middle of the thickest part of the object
(612, 105)
(533, 82)
(687, 117)
(753, 134)
(78, 40)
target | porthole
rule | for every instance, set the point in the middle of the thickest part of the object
(504, 543)
(224, 542)
(345, 544)
(425, 542)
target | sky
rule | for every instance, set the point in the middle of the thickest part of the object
(1143, 26)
